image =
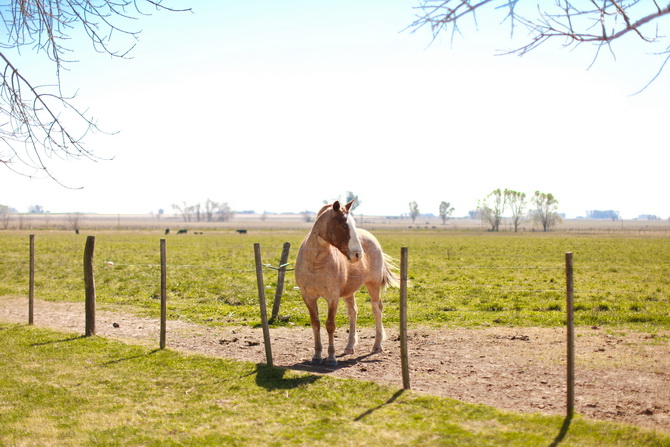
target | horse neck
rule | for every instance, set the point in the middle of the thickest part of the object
(316, 242)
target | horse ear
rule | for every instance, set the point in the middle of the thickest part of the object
(336, 205)
(348, 205)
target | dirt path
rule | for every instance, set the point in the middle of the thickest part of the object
(622, 376)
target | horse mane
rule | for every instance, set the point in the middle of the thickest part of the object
(323, 209)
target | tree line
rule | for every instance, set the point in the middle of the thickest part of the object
(210, 211)
(541, 207)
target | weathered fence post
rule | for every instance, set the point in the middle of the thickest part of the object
(280, 280)
(261, 296)
(404, 358)
(89, 283)
(570, 310)
(31, 280)
(163, 293)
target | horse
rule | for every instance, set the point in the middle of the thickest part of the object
(334, 261)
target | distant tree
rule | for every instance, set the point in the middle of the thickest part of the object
(4, 216)
(179, 209)
(517, 205)
(570, 22)
(348, 197)
(161, 211)
(546, 207)
(446, 211)
(491, 209)
(223, 212)
(74, 219)
(210, 207)
(210, 212)
(35, 209)
(184, 211)
(413, 210)
(197, 210)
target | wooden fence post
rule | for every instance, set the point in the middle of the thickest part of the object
(163, 293)
(280, 280)
(404, 358)
(261, 297)
(31, 281)
(89, 283)
(570, 310)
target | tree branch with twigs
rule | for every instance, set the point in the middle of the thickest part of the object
(572, 22)
(37, 122)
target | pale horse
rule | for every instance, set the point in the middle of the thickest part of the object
(334, 261)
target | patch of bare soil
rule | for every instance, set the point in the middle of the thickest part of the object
(620, 376)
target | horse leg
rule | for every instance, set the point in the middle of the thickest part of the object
(330, 327)
(352, 311)
(313, 308)
(377, 307)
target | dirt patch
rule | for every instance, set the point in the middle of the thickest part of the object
(621, 376)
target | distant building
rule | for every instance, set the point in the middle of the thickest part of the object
(602, 214)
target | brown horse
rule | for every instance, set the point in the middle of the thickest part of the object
(334, 261)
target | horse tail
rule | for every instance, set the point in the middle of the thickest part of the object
(389, 277)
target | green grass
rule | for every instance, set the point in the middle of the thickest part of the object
(456, 278)
(62, 389)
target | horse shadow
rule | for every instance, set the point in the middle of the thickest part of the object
(273, 378)
(342, 363)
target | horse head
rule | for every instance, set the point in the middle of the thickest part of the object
(340, 231)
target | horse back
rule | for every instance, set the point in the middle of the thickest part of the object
(333, 276)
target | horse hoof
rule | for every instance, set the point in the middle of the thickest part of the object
(348, 351)
(316, 361)
(377, 350)
(331, 362)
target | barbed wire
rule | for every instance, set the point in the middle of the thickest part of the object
(450, 258)
(181, 266)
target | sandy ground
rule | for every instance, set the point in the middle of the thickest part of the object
(620, 375)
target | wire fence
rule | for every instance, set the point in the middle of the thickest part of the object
(449, 280)
(215, 282)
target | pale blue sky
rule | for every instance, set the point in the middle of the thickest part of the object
(276, 106)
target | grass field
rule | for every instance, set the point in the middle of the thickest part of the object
(456, 278)
(63, 389)
(67, 390)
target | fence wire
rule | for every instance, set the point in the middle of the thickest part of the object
(465, 280)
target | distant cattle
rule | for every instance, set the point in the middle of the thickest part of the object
(242, 231)
(167, 231)
(182, 231)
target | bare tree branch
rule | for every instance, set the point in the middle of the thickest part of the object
(575, 22)
(32, 126)
(39, 123)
